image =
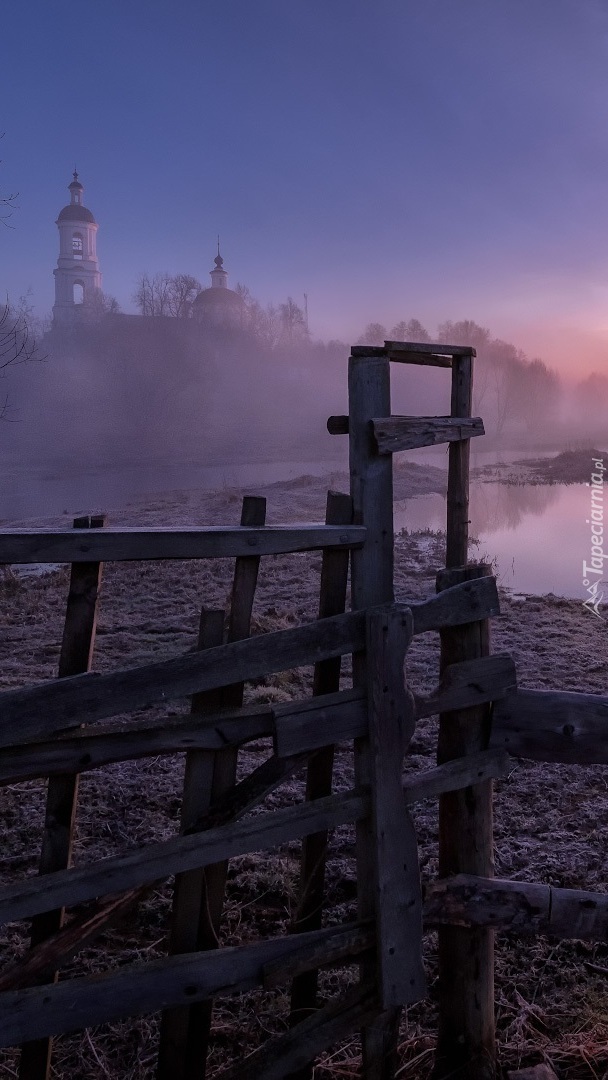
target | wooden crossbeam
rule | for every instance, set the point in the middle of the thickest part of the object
(38, 711)
(395, 433)
(517, 907)
(551, 725)
(214, 542)
(414, 352)
(429, 348)
(158, 861)
(145, 988)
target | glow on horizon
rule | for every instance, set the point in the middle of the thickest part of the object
(338, 149)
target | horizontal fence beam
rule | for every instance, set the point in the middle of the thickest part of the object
(37, 1012)
(468, 683)
(395, 433)
(158, 861)
(39, 711)
(456, 775)
(214, 542)
(551, 725)
(415, 352)
(427, 348)
(518, 907)
(92, 749)
(297, 727)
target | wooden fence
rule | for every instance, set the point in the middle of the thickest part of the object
(56, 730)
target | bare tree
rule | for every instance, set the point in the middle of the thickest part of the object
(412, 330)
(166, 294)
(18, 344)
(374, 334)
(293, 323)
(183, 289)
(7, 203)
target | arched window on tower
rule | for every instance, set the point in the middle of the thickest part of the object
(77, 245)
(78, 292)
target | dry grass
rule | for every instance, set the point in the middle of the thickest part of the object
(550, 820)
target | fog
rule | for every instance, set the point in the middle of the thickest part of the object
(153, 401)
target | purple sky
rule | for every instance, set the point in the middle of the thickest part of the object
(396, 158)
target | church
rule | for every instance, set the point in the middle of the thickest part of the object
(78, 283)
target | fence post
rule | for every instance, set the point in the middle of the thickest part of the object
(199, 895)
(309, 916)
(466, 1042)
(62, 791)
(371, 481)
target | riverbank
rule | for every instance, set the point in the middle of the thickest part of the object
(550, 820)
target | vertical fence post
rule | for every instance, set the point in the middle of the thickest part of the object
(62, 791)
(466, 1044)
(371, 479)
(332, 601)
(392, 720)
(199, 897)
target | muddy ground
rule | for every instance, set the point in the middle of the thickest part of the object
(551, 821)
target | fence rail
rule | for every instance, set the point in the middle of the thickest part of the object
(213, 542)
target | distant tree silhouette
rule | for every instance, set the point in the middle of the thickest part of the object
(166, 294)
(412, 330)
(18, 344)
(374, 334)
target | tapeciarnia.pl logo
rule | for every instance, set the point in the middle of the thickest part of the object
(593, 571)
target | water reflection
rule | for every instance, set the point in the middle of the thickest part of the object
(535, 535)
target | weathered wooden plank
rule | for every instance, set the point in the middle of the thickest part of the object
(518, 907)
(342, 717)
(469, 601)
(93, 749)
(370, 351)
(395, 433)
(213, 542)
(158, 861)
(404, 347)
(137, 989)
(418, 358)
(288, 1055)
(371, 481)
(41, 962)
(251, 791)
(76, 655)
(429, 348)
(466, 957)
(59, 705)
(326, 681)
(550, 725)
(190, 891)
(361, 938)
(457, 536)
(397, 877)
(337, 425)
(458, 774)
(471, 682)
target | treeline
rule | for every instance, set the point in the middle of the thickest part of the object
(173, 295)
(511, 391)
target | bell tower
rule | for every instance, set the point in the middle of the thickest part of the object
(77, 276)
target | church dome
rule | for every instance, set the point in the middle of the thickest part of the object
(221, 297)
(219, 304)
(76, 212)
